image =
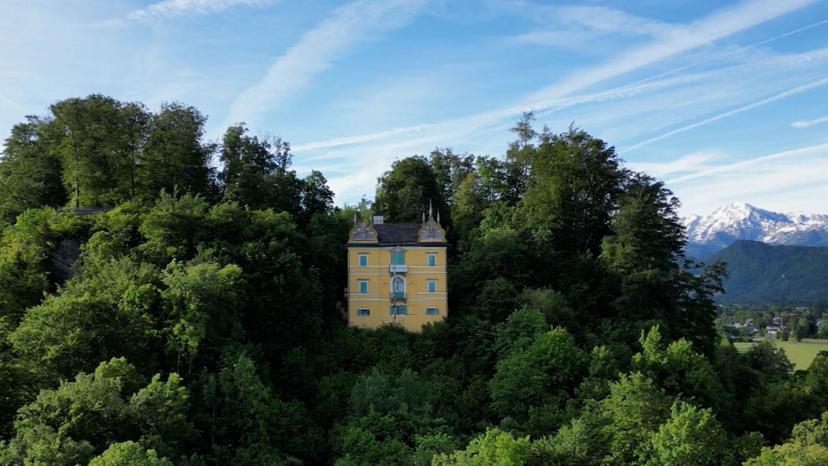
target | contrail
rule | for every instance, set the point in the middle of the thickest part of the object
(793, 91)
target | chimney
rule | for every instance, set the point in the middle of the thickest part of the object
(377, 219)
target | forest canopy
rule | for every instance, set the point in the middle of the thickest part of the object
(195, 316)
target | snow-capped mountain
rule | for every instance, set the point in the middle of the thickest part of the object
(737, 221)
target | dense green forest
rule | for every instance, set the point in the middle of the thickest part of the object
(764, 273)
(197, 319)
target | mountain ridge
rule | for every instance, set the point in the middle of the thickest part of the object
(762, 273)
(737, 221)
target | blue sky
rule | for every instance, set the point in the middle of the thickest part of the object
(725, 101)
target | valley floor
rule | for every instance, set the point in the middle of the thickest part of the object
(800, 353)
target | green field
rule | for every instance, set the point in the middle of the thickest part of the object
(800, 353)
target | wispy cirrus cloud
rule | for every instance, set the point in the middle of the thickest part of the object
(809, 123)
(318, 49)
(764, 101)
(169, 8)
(681, 38)
(572, 26)
(709, 29)
(693, 162)
(740, 166)
(776, 181)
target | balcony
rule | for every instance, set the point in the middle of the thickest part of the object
(402, 268)
(397, 296)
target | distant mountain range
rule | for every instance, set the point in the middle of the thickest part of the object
(771, 257)
(739, 221)
(762, 273)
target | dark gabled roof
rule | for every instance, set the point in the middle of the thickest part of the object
(397, 233)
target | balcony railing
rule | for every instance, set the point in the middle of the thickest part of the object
(402, 268)
(398, 296)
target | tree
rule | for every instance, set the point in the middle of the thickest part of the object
(808, 446)
(543, 375)
(67, 424)
(244, 422)
(129, 454)
(493, 448)
(629, 416)
(450, 170)
(317, 197)
(174, 158)
(107, 313)
(133, 131)
(646, 231)
(93, 150)
(202, 302)
(467, 210)
(691, 436)
(405, 192)
(256, 173)
(520, 330)
(29, 170)
(160, 410)
(574, 187)
(677, 368)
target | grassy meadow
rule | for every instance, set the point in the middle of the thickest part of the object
(800, 353)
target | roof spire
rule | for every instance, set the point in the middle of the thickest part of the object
(430, 212)
(424, 216)
(438, 216)
(355, 217)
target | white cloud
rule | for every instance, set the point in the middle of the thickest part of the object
(709, 29)
(809, 123)
(168, 8)
(682, 38)
(611, 20)
(820, 150)
(688, 163)
(782, 95)
(318, 49)
(348, 140)
(794, 180)
(573, 26)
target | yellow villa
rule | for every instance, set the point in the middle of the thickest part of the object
(397, 273)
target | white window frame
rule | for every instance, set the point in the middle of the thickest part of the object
(359, 286)
(432, 311)
(429, 282)
(429, 257)
(359, 260)
(363, 312)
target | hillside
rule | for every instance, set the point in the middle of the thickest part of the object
(191, 315)
(758, 272)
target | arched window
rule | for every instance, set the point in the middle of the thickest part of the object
(398, 286)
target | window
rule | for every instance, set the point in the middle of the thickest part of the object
(363, 312)
(432, 260)
(363, 286)
(432, 311)
(398, 257)
(399, 310)
(431, 285)
(363, 260)
(398, 288)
